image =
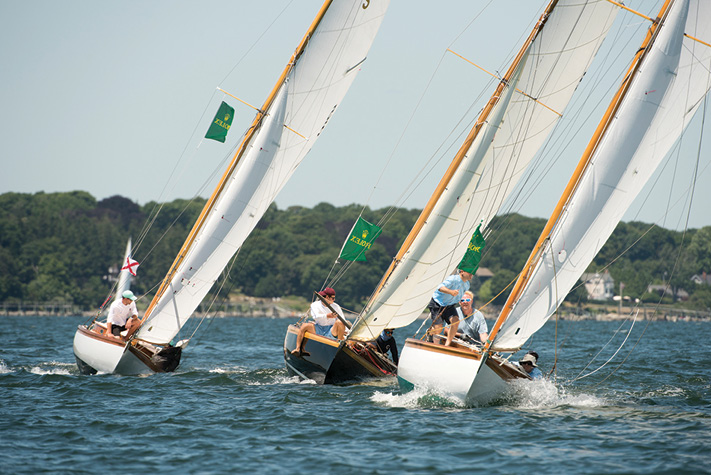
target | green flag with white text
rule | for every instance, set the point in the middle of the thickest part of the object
(221, 123)
(470, 261)
(360, 239)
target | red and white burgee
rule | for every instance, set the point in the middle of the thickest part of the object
(131, 266)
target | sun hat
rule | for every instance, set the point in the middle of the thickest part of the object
(128, 295)
(529, 359)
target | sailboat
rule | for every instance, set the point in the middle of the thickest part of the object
(302, 102)
(664, 86)
(525, 107)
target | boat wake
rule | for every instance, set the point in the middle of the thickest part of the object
(3, 368)
(54, 367)
(259, 377)
(545, 393)
(540, 394)
(418, 398)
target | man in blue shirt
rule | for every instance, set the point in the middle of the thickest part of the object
(442, 306)
(528, 364)
(472, 326)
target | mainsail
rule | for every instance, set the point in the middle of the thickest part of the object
(506, 137)
(663, 89)
(304, 99)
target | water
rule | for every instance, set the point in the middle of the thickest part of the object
(231, 407)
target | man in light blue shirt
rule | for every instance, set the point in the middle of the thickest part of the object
(442, 306)
(472, 325)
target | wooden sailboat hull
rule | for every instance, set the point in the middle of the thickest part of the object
(330, 361)
(95, 352)
(455, 371)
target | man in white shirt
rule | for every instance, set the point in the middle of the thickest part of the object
(123, 315)
(326, 323)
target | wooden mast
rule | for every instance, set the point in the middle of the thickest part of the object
(454, 165)
(600, 131)
(235, 160)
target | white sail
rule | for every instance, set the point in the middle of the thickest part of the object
(124, 276)
(666, 91)
(309, 95)
(555, 62)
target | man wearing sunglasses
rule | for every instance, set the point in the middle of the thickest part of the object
(472, 325)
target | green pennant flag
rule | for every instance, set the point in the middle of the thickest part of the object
(470, 261)
(360, 239)
(221, 123)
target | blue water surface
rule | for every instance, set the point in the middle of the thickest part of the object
(232, 408)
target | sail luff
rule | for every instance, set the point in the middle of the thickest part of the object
(464, 149)
(536, 253)
(235, 161)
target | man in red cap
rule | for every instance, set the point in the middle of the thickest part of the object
(326, 323)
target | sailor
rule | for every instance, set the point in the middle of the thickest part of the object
(386, 342)
(123, 315)
(529, 364)
(443, 305)
(472, 326)
(326, 323)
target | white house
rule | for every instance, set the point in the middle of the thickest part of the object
(599, 286)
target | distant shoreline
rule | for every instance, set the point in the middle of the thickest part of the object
(284, 313)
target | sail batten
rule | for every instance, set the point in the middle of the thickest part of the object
(304, 99)
(666, 84)
(549, 67)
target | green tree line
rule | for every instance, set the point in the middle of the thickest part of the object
(60, 246)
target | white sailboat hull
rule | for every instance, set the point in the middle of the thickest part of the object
(99, 354)
(95, 352)
(454, 372)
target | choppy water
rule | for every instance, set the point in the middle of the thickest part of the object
(232, 408)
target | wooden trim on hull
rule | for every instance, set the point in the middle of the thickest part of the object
(454, 350)
(329, 361)
(100, 337)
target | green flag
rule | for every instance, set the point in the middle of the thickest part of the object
(221, 123)
(360, 239)
(470, 261)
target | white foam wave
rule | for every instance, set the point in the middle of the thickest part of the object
(54, 368)
(229, 370)
(3, 368)
(417, 398)
(544, 393)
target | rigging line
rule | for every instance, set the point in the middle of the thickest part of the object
(269, 27)
(629, 332)
(619, 328)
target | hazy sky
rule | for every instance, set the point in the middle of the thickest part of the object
(108, 97)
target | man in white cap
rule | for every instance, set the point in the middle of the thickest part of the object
(123, 315)
(528, 364)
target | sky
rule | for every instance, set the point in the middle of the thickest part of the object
(109, 97)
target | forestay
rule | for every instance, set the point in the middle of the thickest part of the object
(665, 93)
(555, 62)
(311, 90)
